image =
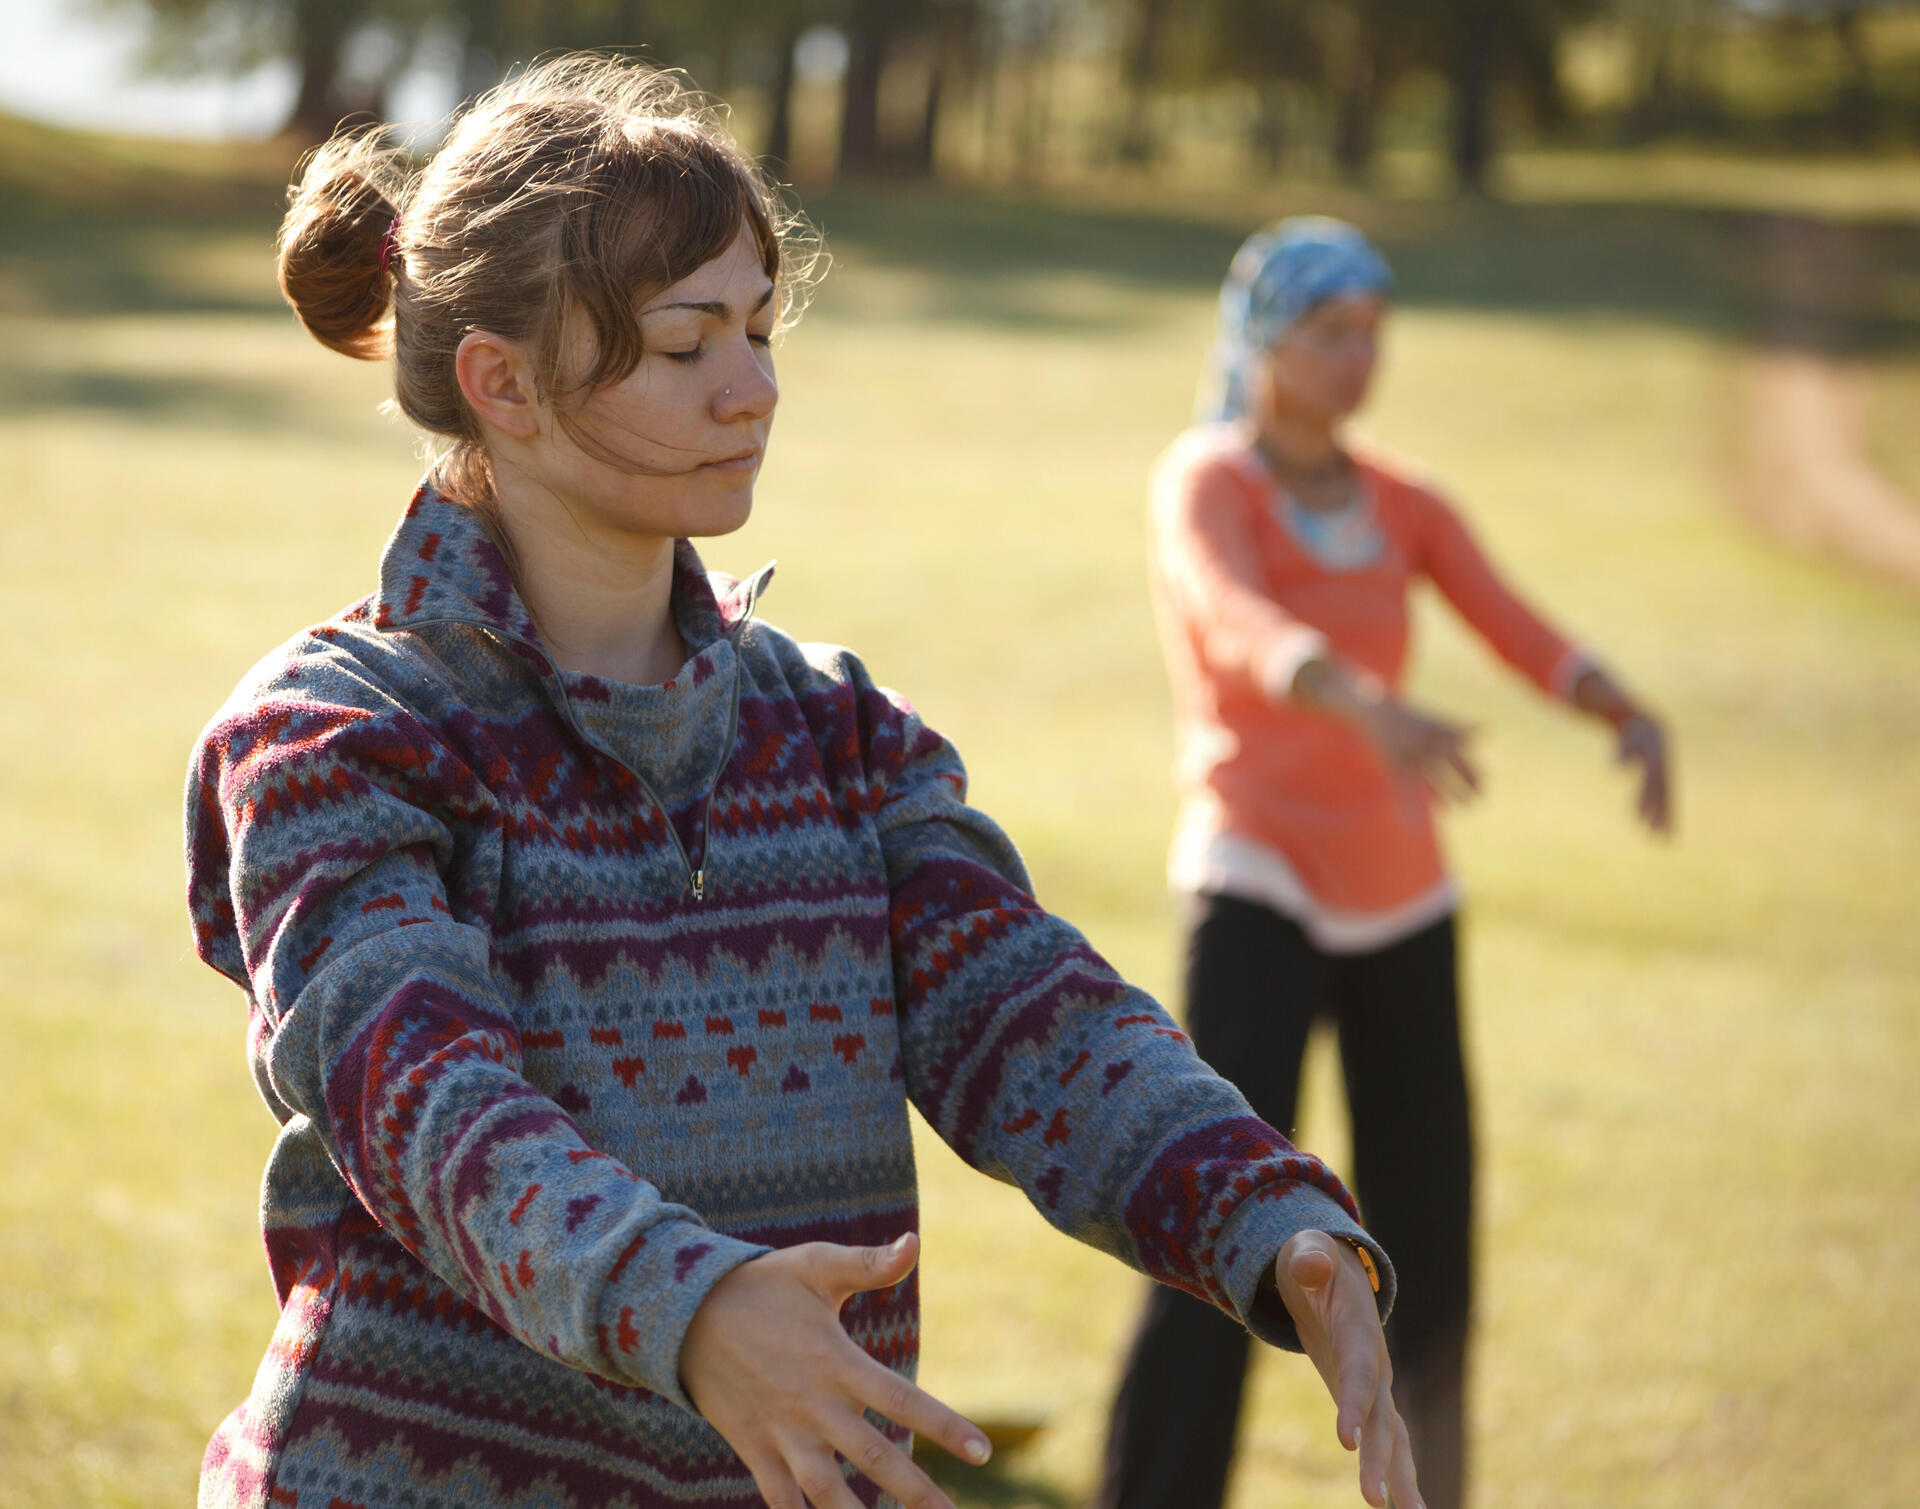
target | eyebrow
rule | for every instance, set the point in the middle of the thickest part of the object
(718, 308)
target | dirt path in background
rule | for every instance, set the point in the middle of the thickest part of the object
(1805, 471)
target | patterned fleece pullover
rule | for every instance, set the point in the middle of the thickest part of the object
(570, 996)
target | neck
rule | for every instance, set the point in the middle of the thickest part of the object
(602, 598)
(1299, 447)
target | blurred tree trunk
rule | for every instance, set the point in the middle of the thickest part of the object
(1674, 52)
(779, 143)
(479, 60)
(922, 158)
(1269, 136)
(1141, 64)
(1356, 112)
(869, 37)
(1036, 99)
(320, 30)
(1856, 108)
(1652, 111)
(1477, 33)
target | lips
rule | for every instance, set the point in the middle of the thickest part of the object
(740, 461)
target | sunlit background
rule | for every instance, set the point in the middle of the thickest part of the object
(1659, 333)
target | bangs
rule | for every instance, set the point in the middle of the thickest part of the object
(664, 200)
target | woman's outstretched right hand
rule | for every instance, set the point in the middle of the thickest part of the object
(766, 1362)
(1423, 748)
(1429, 751)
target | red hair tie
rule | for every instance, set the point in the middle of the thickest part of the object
(389, 243)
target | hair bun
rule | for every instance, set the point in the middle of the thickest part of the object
(336, 243)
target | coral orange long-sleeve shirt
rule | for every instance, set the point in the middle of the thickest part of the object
(1282, 803)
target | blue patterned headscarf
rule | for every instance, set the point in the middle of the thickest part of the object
(1276, 277)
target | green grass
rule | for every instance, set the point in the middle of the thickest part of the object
(1696, 1065)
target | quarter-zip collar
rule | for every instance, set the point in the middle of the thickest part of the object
(441, 566)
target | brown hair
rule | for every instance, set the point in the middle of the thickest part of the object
(569, 192)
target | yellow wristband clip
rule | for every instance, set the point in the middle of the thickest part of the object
(1366, 1261)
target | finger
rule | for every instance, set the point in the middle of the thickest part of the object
(776, 1485)
(1434, 777)
(1403, 1483)
(1379, 1438)
(1441, 784)
(1444, 747)
(1303, 1272)
(1357, 1369)
(1311, 1267)
(834, 1272)
(1464, 767)
(886, 1393)
(818, 1474)
(1359, 1352)
(1447, 780)
(1660, 797)
(884, 1463)
(1648, 800)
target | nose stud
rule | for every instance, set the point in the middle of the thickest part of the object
(726, 392)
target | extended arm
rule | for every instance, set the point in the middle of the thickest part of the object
(1040, 1066)
(1203, 519)
(1520, 636)
(319, 835)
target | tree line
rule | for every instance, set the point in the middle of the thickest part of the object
(1335, 61)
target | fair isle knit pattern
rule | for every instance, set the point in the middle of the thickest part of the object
(571, 996)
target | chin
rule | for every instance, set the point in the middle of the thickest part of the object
(1341, 407)
(721, 512)
(1356, 395)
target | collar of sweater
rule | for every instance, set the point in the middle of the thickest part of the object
(441, 566)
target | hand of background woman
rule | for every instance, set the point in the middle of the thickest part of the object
(1327, 1293)
(1423, 748)
(1640, 741)
(1643, 742)
(767, 1363)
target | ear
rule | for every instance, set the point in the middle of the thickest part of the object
(497, 383)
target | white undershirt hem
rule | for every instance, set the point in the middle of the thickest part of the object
(1208, 862)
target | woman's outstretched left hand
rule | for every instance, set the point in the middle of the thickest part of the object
(1643, 742)
(1638, 740)
(1327, 1293)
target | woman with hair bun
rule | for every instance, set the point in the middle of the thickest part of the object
(596, 935)
(1284, 555)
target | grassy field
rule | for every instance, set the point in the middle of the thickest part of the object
(1696, 1066)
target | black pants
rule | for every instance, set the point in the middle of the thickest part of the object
(1255, 985)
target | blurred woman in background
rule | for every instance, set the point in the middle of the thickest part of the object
(1283, 556)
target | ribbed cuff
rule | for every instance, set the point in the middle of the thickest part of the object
(1251, 1240)
(645, 1312)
